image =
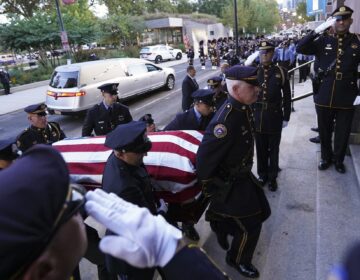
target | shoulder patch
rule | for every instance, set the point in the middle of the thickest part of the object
(220, 131)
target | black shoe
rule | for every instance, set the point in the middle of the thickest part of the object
(273, 186)
(247, 270)
(262, 181)
(324, 164)
(190, 232)
(316, 129)
(315, 140)
(340, 167)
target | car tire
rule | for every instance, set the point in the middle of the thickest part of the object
(158, 59)
(170, 82)
(178, 56)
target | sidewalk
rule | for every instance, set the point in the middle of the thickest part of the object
(25, 95)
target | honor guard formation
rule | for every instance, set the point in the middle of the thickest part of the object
(243, 109)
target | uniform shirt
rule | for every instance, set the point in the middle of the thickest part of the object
(228, 144)
(284, 54)
(274, 102)
(100, 120)
(339, 88)
(34, 135)
(189, 120)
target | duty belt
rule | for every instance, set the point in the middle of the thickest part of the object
(267, 106)
(340, 76)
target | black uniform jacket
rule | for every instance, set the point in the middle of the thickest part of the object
(33, 135)
(188, 87)
(187, 257)
(99, 119)
(220, 98)
(228, 144)
(188, 121)
(274, 103)
(339, 88)
(132, 183)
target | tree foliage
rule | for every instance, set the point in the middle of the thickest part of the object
(25, 8)
(124, 7)
(255, 16)
(212, 7)
(301, 11)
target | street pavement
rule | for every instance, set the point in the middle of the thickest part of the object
(314, 214)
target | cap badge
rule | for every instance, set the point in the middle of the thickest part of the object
(220, 131)
(263, 44)
(342, 9)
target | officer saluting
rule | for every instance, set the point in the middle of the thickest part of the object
(220, 95)
(104, 117)
(41, 131)
(238, 205)
(272, 113)
(338, 58)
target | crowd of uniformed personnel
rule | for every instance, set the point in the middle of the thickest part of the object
(244, 107)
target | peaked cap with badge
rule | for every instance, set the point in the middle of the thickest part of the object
(203, 96)
(266, 45)
(214, 81)
(34, 135)
(111, 88)
(242, 73)
(342, 12)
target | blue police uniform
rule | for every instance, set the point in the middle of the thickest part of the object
(101, 118)
(130, 182)
(272, 108)
(338, 57)
(192, 119)
(219, 94)
(35, 135)
(224, 160)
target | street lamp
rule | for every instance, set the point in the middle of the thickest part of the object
(63, 34)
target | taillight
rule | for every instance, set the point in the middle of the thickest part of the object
(65, 94)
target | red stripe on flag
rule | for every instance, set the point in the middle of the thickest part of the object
(163, 173)
(180, 134)
(86, 168)
(82, 148)
(168, 147)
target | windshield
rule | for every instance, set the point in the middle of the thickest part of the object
(64, 79)
(145, 50)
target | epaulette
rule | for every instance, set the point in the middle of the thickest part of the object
(225, 110)
(55, 126)
(282, 73)
(358, 36)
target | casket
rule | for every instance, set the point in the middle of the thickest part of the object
(170, 163)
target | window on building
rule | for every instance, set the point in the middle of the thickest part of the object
(212, 33)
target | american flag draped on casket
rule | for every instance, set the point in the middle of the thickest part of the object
(170, 162)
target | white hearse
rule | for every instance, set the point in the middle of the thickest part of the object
(74, 88)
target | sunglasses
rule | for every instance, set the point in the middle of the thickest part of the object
(266, 51)
(340, 18)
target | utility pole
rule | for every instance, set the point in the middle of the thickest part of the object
(63, 34)
(236, 29)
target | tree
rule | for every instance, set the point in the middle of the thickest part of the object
(125, 7)
(156, 6)
(301, 12)
(184, 6)
(25, 8)
(212, 7)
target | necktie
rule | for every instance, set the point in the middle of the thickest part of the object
(202, 123)
(195, 83)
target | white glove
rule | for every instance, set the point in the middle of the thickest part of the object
(251, 58)
(357, 101)
(163, 207)
(142, 240)
(284, 124)
(325, 25)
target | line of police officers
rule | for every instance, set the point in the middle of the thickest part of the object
(225, 156)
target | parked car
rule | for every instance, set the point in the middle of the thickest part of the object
(74, 88)
(159, 53)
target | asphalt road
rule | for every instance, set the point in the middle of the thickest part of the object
(162, 104)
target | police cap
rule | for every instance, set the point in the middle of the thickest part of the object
(204, 96)
(39, 109)
(266, 45)
(242, 73)
(111, 88)
(129, 137)
(35, 201)
(214, 81)
(6, 149)
(147, 118)
(342, 12)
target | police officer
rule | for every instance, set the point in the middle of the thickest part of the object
(197, 117)
(5, 80)
(215, 84)
(104, 117)
(150, 123)
(40, 131)
(272, 113)
(190, 56)
(42, 233)
(238, 205)
(202, 54)
(126, 176)
(8, 153)
(338, 58)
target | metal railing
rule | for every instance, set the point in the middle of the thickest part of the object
(293, 98)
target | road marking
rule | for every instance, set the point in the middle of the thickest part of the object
(169, 94)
